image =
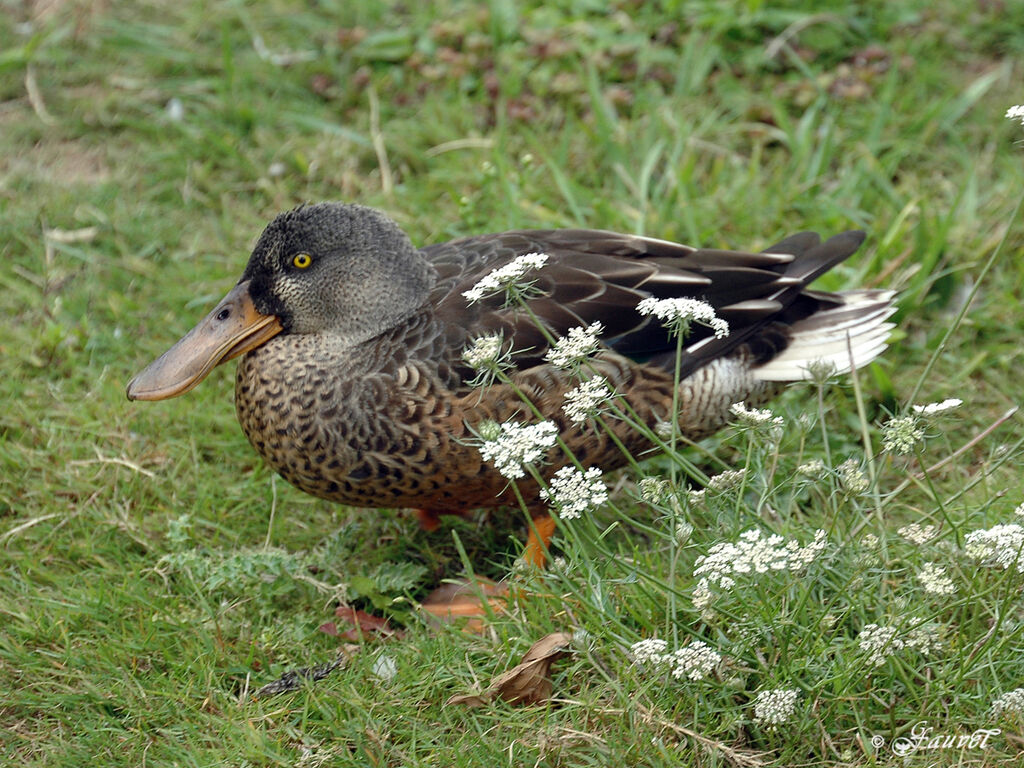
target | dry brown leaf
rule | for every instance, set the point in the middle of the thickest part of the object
(454, 601)
(363, 625)
(528, 682)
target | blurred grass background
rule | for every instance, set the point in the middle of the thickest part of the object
(143, 145)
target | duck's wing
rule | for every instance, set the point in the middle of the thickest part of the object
(594, 275)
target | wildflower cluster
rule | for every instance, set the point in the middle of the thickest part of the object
(717, 484)
(1000, 546)
(655, 490)
(751, 554)
(814, 469)
(585, 401)
(752, 417)
(683, 532)
(483, 353)
(726, 480)
(513, 445)
(488, 356)
(918, 534)
(852, 477)
(882, 641)
(677, 315)
(572, 491)
(1009, 703)
(901, 435)
(935, 580)
(693, 662)
(775, 706)
(650, 650)
(1016, 113)
(573, 349)
(506, 278)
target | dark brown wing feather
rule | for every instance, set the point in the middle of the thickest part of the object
(593, 275)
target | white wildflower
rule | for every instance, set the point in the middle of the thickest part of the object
(650, 650)
(1009, 703)
(868, 554)
(695, 498)
(575, 347)
(935, 580)
(924, 638)
(918, 534)
(814, 469)
(753, 554)
(683, 532)
(488, 430)
(934, 409)
(573, 492)
(1016, 112)
(852, 477)
(753, 417)
(488, 356)
(901, 434)
(775, 706)
(677, 314)
(654, 490)
(519, 444)
(879, 642)
(506, 278)
(485, 353)
(695, 661)
(702, 595)
(1019, 510)
(999, 546)
(726, 480)
(820, 371)
(585, 401)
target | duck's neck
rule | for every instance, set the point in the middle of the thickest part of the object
(399, 294)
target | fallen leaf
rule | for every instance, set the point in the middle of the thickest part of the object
(466, 600)
(528, 682)
(362, 623)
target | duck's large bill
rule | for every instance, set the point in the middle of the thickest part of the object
(231, 329)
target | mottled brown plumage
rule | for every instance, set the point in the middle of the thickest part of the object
(355, 389)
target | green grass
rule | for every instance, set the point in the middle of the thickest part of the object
(153, 573)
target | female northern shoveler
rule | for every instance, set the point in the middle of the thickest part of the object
(353, 385)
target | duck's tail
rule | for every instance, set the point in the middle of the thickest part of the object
(842, 337)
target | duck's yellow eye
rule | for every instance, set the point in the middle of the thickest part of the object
(302, 260)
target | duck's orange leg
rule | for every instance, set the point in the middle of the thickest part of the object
(542, 528)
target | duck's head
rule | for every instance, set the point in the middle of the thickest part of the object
(329, 268)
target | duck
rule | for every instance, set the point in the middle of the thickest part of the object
(355, 385)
